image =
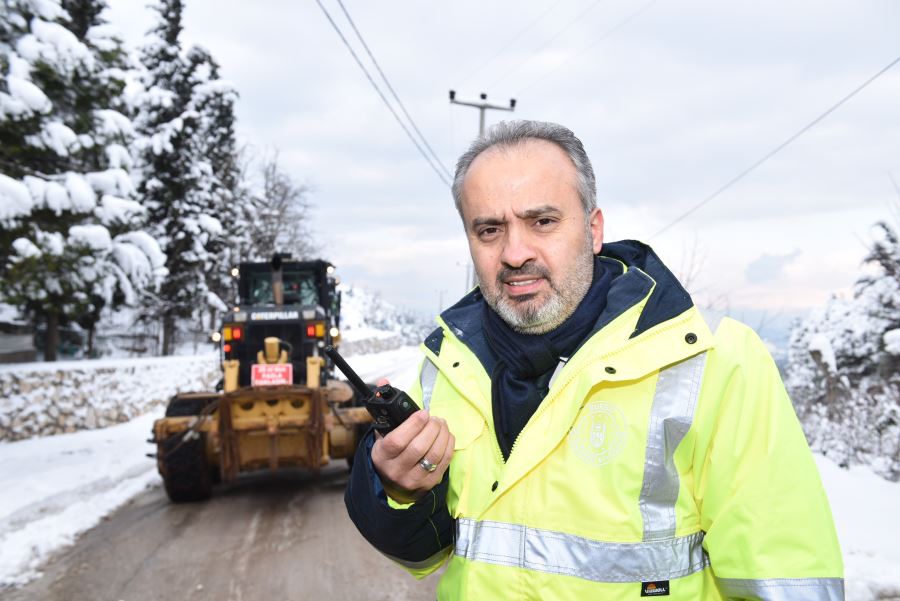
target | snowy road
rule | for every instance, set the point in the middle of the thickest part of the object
(265, 537)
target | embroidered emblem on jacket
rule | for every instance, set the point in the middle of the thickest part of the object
(599, 435)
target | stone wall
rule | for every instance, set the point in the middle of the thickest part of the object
(38, 399)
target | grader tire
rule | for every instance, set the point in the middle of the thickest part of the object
(185, 471)
(187, 405)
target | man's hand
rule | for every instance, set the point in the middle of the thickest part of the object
(397, 456)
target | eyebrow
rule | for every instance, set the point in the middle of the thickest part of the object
(539, 211)
(528, 214)
(479, 221)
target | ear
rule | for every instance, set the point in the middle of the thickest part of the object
(595, 222)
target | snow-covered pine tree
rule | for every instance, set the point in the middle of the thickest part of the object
(843, 366)
(213, 101)
(177, 181)
(69, 235)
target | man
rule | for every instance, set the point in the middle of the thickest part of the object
(585, 435)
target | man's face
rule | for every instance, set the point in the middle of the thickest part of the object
(530, 240)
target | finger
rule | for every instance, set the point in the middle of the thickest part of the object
(436, 452)
(419, 446)
(393, 444)
(415, 479)
(442, 463)
(448, 455)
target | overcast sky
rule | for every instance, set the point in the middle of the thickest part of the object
(671, 99)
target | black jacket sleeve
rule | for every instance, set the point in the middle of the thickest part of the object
(410, 535)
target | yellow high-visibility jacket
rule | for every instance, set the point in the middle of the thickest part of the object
(668, 463)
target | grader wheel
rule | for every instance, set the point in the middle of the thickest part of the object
(192, 403)
(184, 468)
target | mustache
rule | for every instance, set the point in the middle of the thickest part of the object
(528, 269)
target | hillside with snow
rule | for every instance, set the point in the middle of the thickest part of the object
(367, 316)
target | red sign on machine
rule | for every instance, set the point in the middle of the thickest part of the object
(280, 374)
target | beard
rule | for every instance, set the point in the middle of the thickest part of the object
(532, 315)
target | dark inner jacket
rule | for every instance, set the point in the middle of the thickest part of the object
(425, 528)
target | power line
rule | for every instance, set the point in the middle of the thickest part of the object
(393, 93)
(776, 150)
(896, 185)
(604, 36)
(565, 28)
(512, 40)
(384, 99)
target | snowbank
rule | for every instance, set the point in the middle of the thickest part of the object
(52, 398)
(59, 486)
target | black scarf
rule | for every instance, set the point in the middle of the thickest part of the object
(526, 362)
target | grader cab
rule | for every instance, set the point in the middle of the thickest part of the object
(279, 405)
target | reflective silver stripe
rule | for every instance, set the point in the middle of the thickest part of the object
(427, 376)
(671, 416)
(783, 589)
(561, 553)
(421, 565)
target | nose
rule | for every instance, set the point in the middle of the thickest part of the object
(517, 248)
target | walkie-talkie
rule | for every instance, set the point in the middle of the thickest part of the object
(388, 406)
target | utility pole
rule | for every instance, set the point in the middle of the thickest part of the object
(482, 107)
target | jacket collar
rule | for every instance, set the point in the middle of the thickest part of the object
(640, 273)
(645, 303)
(649, 323)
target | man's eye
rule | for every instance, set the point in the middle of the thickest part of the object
(545, 221)
(488, 232)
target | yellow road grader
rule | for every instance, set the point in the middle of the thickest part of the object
(279, 403)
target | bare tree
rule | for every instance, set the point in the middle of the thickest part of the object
(691, 266)
(282, 221)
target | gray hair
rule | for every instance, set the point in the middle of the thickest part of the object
(508, 134)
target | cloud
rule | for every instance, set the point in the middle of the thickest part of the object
(769, 268)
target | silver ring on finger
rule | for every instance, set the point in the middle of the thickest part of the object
(427, 465)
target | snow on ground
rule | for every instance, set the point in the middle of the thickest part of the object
(866, 512)
(56, 487)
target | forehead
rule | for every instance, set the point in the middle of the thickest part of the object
(534, 172)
